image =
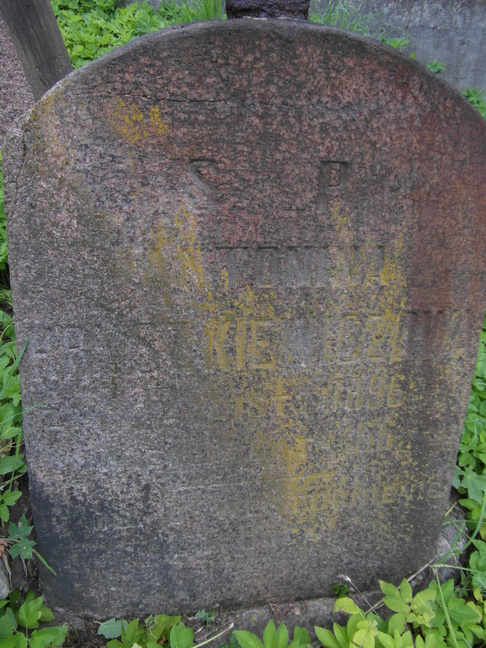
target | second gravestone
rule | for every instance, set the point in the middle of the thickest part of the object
(248, 265)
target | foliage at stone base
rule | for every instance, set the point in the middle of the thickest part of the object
(20, 620)
(158, 630)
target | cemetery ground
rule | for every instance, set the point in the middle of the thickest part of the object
(443, 614)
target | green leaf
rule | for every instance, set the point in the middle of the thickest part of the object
(54, 636)
(301, 637)
(269, 635)
(282, 638)
(421, 601)
(11, 463)
(345, 604)
(474, 484)
(20, 530)
(115, 643)
(11, 642)
(10, 497)
(205, 617)
(389, 590)
(247, 639)
(24, 549)
(112, 628)
(11, 432)
(327, 639)
(479, 580)
(340, 635)
(462, 613)
(352, 625)
(4, 513)
(385, 640)
(162, 625)
(405, 591)
(46, 615)
(181, 637)
(8, 626)
(396, 604)
(29, 612)
(364, 638)
(20, 641)
(131, 633)
(435, 66)
(406, 640)
(396, 622)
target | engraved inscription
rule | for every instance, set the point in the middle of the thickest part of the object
(333, 177)
(302, 267)
(207, 172)
(237, 343)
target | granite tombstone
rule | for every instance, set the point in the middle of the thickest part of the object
(15, 94)
(248, 265)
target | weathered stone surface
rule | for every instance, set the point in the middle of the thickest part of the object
(248, 264)
(15, 94)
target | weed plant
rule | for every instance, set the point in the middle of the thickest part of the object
(441, 616)
(91, 28)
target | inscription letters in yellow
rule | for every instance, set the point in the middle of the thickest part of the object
(318, 392)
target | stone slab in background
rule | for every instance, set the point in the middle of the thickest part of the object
(15, 94)
(248, 263)
(450, 31)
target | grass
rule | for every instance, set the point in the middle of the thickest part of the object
(342, 15)
(439, 617)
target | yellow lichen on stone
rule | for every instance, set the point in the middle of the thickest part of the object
(130, 122)
(176, 248)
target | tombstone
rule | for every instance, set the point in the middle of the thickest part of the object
(15, 94)
(248, 268)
